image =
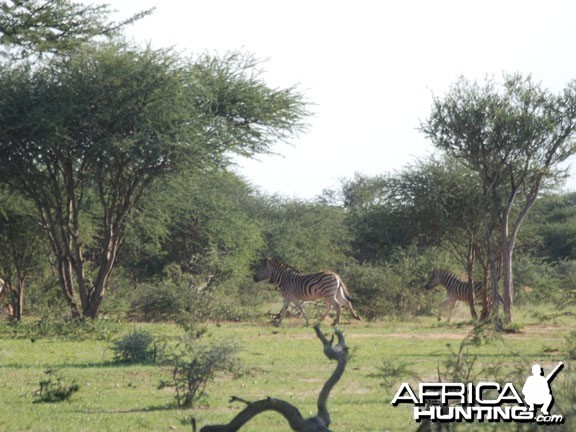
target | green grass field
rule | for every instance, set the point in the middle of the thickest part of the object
(286, 363)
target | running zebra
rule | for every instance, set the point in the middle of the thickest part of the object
(297, 287)
(457, 290)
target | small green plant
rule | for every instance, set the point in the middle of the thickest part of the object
(195, 365)
(138, 346)
(484, 332)
(54, 388)
(390, 374)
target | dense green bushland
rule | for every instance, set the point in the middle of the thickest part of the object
(118, 193)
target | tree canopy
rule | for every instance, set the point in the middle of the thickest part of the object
(37, 27)
(85, 135)
(514, 136)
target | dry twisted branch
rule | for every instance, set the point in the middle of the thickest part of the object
(318, 423)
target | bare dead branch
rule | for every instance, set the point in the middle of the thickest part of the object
(318, 423)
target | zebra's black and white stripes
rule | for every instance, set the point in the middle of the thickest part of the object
(298, 287)
(456, 289)
(5, 304)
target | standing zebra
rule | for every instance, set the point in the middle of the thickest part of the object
(297, 287)
(456, 289)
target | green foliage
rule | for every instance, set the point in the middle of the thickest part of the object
(376, 228)
(196, 364)
(158, 301)
(395, 290)
(24, 251)
(55, 26)
(392, 374)
(431, 203)
(130, 117)
(198, 221)
(55, 388)
(60, 328)
(308, 236)
(211, 229)
(137, 347)
(542, 281)
(552, 227)
(514, 135)
(178, 297)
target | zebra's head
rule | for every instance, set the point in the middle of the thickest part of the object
(434, 279)
(262, 270)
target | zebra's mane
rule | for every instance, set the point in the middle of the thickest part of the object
(449, 273)
(477, 284)
(283, 265)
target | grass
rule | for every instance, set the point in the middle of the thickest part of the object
(285, 362)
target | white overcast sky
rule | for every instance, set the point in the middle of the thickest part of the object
(370, 68)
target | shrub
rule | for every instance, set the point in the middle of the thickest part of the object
(157, 301)
(387, 291)
(138, 346)
(195, 365)
(54, 388)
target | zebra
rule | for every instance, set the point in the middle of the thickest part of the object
(456, 289)
(5, 304)
(297, 287)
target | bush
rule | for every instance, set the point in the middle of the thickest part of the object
(158, 301)
(138, 346)
(393, 290)
(54, 388)
(195, 365)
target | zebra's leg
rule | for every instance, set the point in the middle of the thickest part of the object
(298, 304)
(328, 309)
(282, 313)
(443, 306)
(452, 303)
(338, 313)
(348, 305)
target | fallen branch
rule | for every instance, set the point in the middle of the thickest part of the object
(318, 423)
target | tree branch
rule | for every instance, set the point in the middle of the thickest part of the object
(318, 423)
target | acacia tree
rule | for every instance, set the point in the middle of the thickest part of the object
(84, 136)
(37, 27)
(514, 136)
(22, 252)
(441, 201)
(199, 221)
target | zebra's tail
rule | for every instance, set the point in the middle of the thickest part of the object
(345, 294)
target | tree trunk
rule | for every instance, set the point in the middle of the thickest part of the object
(508, 297)
(105, 267)
(19, 299)
(492, 262)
